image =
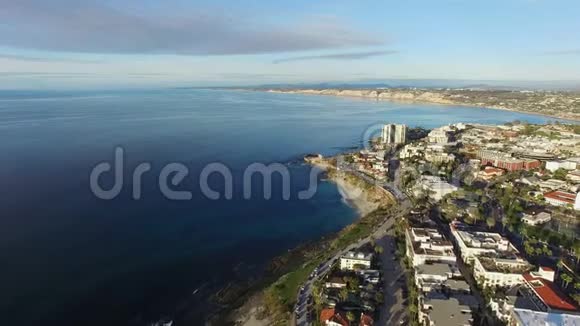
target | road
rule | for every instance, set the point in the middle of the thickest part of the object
(392, 308)
(392, 312)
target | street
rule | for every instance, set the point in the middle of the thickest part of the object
(392, 311)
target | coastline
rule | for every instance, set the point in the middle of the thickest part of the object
(254, 310)
(353, 195)
(374, 95)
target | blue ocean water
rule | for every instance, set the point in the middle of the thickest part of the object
(71, 258)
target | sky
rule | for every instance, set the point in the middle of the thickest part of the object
(145, 43)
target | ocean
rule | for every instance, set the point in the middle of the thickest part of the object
(70, 258)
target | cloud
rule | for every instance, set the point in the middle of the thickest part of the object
(92, 27)
(339, 56)
(44, 59)
(563, 52)
(70, 75)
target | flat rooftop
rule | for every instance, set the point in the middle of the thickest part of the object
(506, 266)
(457, 285)
(530, 317)
(449, 311)
(438, 269)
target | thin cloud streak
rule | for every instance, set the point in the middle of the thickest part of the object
(44, 59)
(338, 56)
(93, 27)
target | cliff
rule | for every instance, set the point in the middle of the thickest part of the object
(565, 105)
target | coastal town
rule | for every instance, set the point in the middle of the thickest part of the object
(484, 232)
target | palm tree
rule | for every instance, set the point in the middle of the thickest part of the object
(547, 250)
(529, 249)
(576, 250)
(343, 294)
(524, 233)
(560, 264)
(504, 222)
(490, 221)
(566, 279)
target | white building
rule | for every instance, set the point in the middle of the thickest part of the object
(562, 198)
(552, 184)
(438, 157)
(431, 275)
(504, 271)
(552, 166)
(574, 176)
(436, 187)
(394, 134)
(411, 150)
(495, 260)
(473, 243)
(428, 245)
(532, 218)
(502, 308)
(351, 260)
(441, 135)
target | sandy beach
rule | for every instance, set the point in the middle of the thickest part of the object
(355, 197)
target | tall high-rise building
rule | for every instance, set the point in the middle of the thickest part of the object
(394, 134)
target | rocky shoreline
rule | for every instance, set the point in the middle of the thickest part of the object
(252, 312)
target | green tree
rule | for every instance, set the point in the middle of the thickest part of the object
(350, 316)
(352, 283)
(530, 251)
(560, 174)
(504, 222)
(524, 233)
(378, 249)
(343, 294)
(379, 297)
(566, 279)
(576, 297)
(576, 250)
(490, 221)
(560, 264)
(475, 214)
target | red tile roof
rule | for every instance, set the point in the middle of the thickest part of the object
(334, 316)
(550, 294)
(561, 196)
(547, 269)
(366, 320)
(491, 169)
